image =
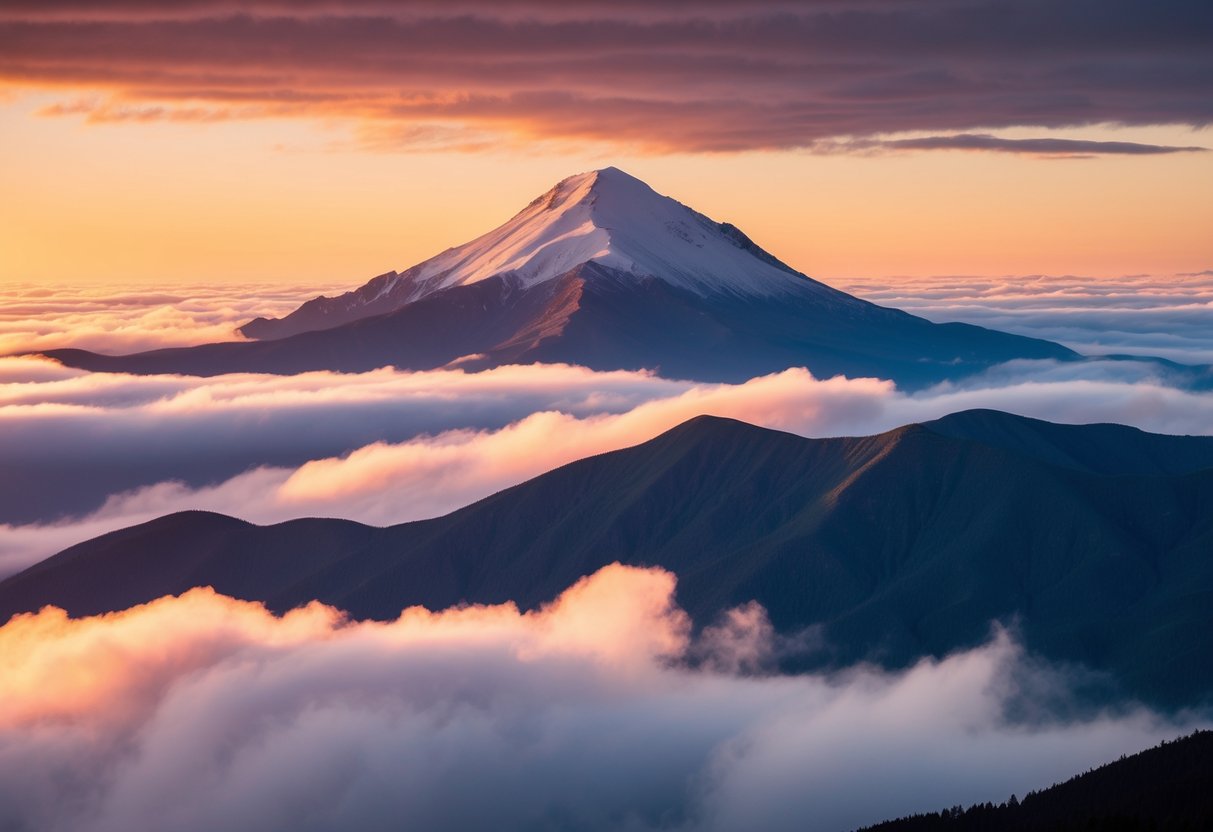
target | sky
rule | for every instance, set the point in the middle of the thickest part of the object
(171, 170)
(320, 143)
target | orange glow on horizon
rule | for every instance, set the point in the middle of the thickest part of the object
(285, 200)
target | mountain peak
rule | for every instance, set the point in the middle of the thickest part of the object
(603, 271)
(606, 217)
(605, 177)
(611, 218)
(592, 188)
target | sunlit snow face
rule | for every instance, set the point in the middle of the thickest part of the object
(611, 218)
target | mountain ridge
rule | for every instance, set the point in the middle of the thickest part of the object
(894, 547)
(1167, 787)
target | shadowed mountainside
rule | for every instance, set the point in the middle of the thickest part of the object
(1095, 541)
(1168, 788)
(605, 320)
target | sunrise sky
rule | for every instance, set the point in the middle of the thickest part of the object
(322, 143)
(180, 180)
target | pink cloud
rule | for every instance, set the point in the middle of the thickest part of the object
(204, 712)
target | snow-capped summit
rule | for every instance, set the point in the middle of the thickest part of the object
(603, 272)
(605, 216)
(614, 219)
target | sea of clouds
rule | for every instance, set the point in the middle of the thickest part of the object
(598, 711)
(89, 453)
(124, 319)
(1159, 315)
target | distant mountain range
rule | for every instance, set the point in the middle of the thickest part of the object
(1168, 788)
(1095, 541)
(604, 272)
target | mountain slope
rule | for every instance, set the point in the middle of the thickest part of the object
(600, 271)
(899, 545)
(1168, 787)
(605, 217)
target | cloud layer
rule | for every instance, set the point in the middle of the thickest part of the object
(95, 452)
(77, 437)
(389, 482)
(208, 713)
(1160, 315)
(124, 319)
(1156, 314)
(711, 76)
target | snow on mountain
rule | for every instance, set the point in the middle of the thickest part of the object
(605, 273)
(609, 217)
(604, 216)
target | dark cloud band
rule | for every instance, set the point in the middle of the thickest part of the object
(702, 77)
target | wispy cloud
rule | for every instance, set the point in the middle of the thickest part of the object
(984, 142)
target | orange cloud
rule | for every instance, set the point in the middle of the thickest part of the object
(204, 712)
